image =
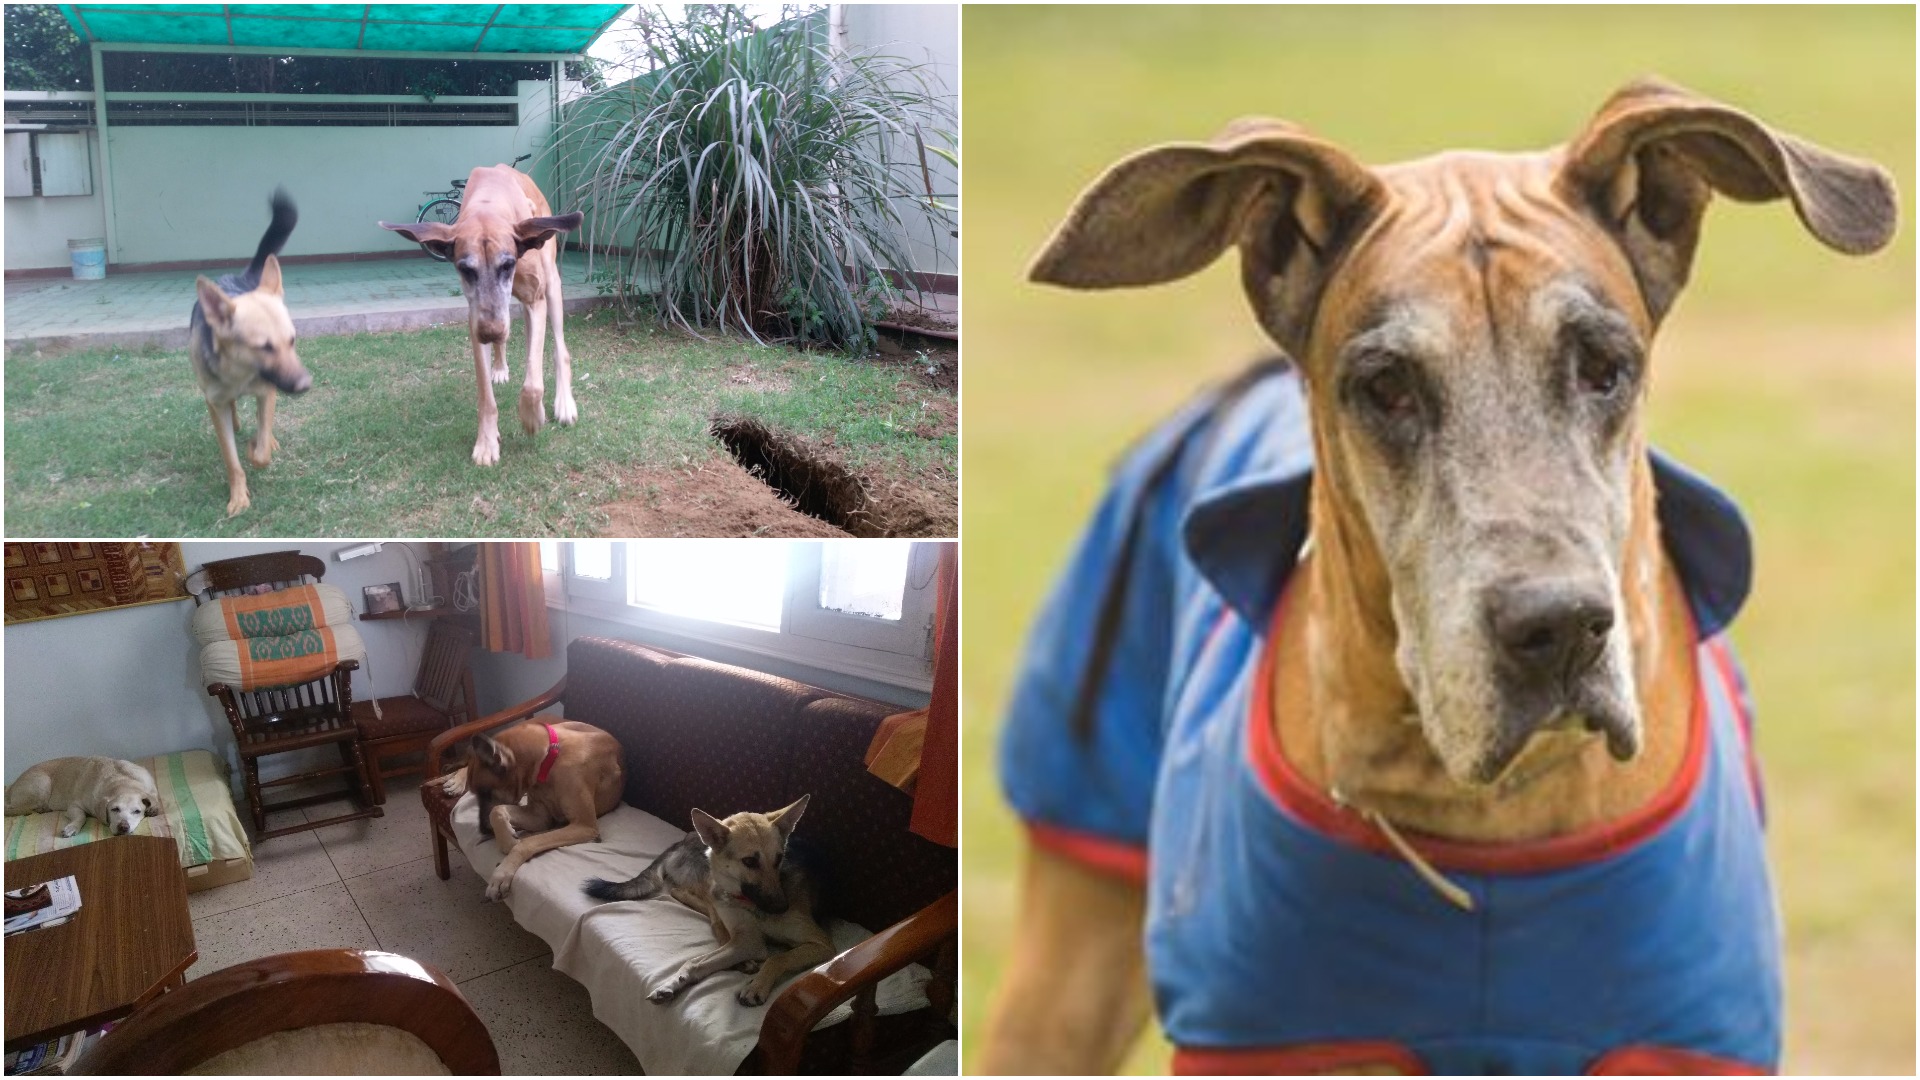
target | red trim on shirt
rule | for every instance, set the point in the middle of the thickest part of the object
(1312, 1058)
(1660, 1061)
(1316, 810)
(1093, 852)
(553, 755)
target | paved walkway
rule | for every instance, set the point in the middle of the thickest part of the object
(137, 310)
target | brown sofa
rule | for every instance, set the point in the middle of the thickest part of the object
(724, 738)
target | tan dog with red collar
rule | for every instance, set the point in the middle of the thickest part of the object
(541, 786)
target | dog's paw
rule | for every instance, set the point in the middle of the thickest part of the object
(68, 830)
(748, 966)
(499, 372)
(237, 502)
(499, 885)
(667, 991)
(533, 409)
(262, 450)
(564, 410)
(486, 450)
(454, 783)
(752, 994)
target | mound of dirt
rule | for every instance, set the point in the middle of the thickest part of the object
(715, 499)
(810, 479)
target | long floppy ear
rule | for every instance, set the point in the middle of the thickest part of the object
(494, 755)
(1289, 200)
(215, 305)
(785, 818)
(437, 235)
(534, 231)
(713, 832)
(1651, 159)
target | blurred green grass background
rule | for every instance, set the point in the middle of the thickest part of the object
(1785, 373)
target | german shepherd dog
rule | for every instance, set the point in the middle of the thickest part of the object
(737, 872)
(241, 340)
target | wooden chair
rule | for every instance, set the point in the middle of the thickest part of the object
(442, 697)
(282, 719)
(233, 1008)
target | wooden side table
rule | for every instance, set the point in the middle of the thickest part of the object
(131, 940)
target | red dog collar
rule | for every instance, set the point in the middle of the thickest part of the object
(553, 755)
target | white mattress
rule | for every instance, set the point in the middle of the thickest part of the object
(620, 950)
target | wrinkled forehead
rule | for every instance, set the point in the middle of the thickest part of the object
(1476, 247)
(476, 246)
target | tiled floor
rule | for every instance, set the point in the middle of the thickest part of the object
(158, 301)
(370, 884)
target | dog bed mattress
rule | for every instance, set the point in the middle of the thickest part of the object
(196, 810)
(619, 950)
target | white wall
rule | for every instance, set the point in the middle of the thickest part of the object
(918, 33)
(39, 226)
(126, 682)
(504, 679)
(200, 193)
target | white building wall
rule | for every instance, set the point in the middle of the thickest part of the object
(200, 193)
(39, 226)
(918, 33)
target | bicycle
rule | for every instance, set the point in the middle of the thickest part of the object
(444, 206)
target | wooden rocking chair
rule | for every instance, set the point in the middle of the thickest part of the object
(282, 719)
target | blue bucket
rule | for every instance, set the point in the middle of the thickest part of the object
(89, 258)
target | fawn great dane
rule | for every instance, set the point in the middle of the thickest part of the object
(503, 246)
(1403, 658)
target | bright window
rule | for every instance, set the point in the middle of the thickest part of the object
(864, 577)
(860, 607)
(742, 582)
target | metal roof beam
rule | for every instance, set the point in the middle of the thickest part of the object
(375, 54)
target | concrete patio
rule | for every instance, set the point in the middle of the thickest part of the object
(143, 310)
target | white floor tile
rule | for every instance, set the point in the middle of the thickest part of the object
(542, 1022)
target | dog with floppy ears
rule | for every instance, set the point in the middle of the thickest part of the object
(738, 872)
(540, 786)
(504, 246)
(119, 793)
(241, 341)
(1405, 659)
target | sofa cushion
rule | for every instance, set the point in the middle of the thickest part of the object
(713, 736)
(611, 685)
(882, 872)
(620, 950)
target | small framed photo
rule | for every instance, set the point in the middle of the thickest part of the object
(382, 598)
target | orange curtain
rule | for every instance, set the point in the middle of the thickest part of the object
(513, 601)
(936, 796)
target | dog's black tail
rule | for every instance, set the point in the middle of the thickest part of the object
(644, 887)
(285, 217)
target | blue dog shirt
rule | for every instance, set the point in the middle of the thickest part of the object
(1284, 934)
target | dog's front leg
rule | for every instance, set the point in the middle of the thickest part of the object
(780, 965)
(564, 410)
(264, 444)
(533, 407)
(223, 423)
(72, 819)
(742, 947)
(486, 447)
(1074, 998)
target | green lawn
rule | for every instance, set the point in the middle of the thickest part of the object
(119, 444)
(1786, 373)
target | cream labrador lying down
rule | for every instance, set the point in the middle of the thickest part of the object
(117, 792)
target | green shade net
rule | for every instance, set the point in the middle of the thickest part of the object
(474, 28)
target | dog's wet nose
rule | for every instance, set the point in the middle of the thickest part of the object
(1551, 631)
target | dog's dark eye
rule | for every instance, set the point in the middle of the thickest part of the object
(467, 272)
(1599, 375)
(506, 267)
(751, 862)
(266, 346)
